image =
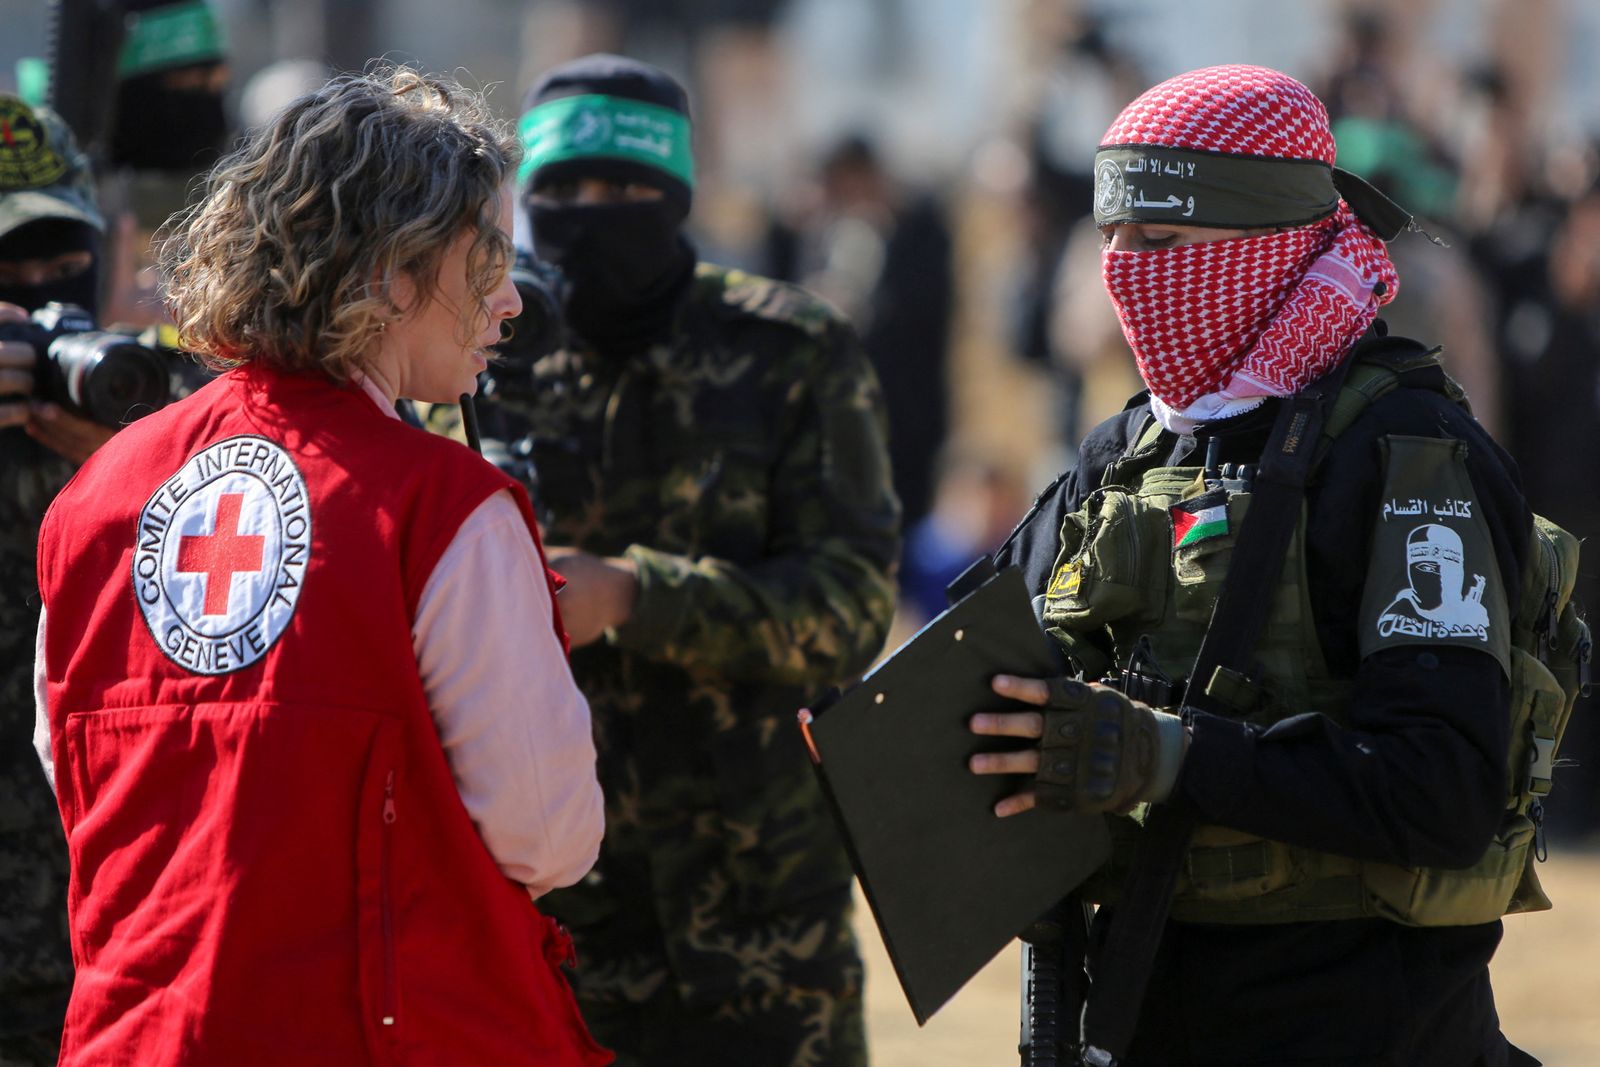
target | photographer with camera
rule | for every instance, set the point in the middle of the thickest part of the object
(50, 238)
(709, 450)
(50, 241)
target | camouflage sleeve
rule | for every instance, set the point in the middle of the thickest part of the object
(35, 959)
(817, 609)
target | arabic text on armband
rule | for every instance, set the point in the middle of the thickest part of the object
(1448, 509)
(1430, 629)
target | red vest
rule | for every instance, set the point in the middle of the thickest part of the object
(270, 861)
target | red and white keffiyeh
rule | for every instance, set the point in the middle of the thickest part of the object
(1254, 316)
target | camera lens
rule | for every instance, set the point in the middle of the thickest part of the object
(536, 332)
(108, 377)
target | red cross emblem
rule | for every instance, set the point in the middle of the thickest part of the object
(222, 554)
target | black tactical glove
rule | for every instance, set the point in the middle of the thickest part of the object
(1103, 752)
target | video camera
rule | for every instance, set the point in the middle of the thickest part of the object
(108, 377)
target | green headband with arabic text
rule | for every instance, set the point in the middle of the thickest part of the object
(175, 35)
(1153, 184)
(597, 126)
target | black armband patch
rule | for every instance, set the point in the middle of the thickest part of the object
(1432, 577)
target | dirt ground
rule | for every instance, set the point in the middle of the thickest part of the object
(1546, 978)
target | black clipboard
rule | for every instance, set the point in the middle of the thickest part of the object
(949, 883)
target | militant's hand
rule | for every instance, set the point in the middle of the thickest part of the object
(599, 595)
(16, 371)
(65, 433)
(1098, 750)
(62, 432)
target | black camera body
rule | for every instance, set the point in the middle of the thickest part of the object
(541, 327)
(538, 331)
(108, 377)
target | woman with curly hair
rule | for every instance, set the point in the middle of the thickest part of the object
(301, 677)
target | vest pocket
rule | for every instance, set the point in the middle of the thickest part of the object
(390, 1006)
(1199, 568)
(1112, 566)
(1227, 865)
(1537, 722)
(1428, 896)
(1504, 879)
(378, 908)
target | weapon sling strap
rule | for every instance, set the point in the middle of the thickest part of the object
(1117, 989)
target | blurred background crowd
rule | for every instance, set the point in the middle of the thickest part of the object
(925, 166)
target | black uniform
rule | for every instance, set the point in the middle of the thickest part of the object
(1417, 780)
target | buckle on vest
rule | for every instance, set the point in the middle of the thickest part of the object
(1144, 680)
(1235, 689)
(1541, 765)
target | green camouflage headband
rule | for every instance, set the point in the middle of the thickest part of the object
(597, 126)
(176, 35)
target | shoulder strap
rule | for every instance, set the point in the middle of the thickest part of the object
(1141, 454)
(1377, 369)
(1229, 645)
(1147, 436)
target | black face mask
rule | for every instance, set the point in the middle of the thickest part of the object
(162, 128)
(626, 265)
(80, 289)
(46, 239)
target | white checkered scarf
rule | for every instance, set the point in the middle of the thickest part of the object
(1254, 316)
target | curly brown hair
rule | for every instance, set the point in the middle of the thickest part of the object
(291, 256)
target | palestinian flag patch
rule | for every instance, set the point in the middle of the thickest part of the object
(1200, 519)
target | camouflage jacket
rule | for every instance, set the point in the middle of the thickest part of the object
(742, 468)
(35, 962)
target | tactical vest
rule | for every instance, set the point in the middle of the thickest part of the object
(1118, 575)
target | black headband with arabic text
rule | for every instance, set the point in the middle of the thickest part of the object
(1155, 184)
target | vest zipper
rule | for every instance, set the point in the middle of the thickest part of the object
(386, 905)
(1536, 816)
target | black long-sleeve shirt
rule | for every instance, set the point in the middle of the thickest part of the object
(1416, 778)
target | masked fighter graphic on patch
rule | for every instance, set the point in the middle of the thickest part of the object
(1437, 604)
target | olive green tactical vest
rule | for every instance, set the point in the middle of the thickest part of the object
(1119, 576)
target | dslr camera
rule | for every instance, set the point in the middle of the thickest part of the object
(539, 330)
(108, 377)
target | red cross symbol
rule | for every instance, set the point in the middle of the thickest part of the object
(221, 555)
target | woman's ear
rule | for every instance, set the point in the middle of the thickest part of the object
(403, 293)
